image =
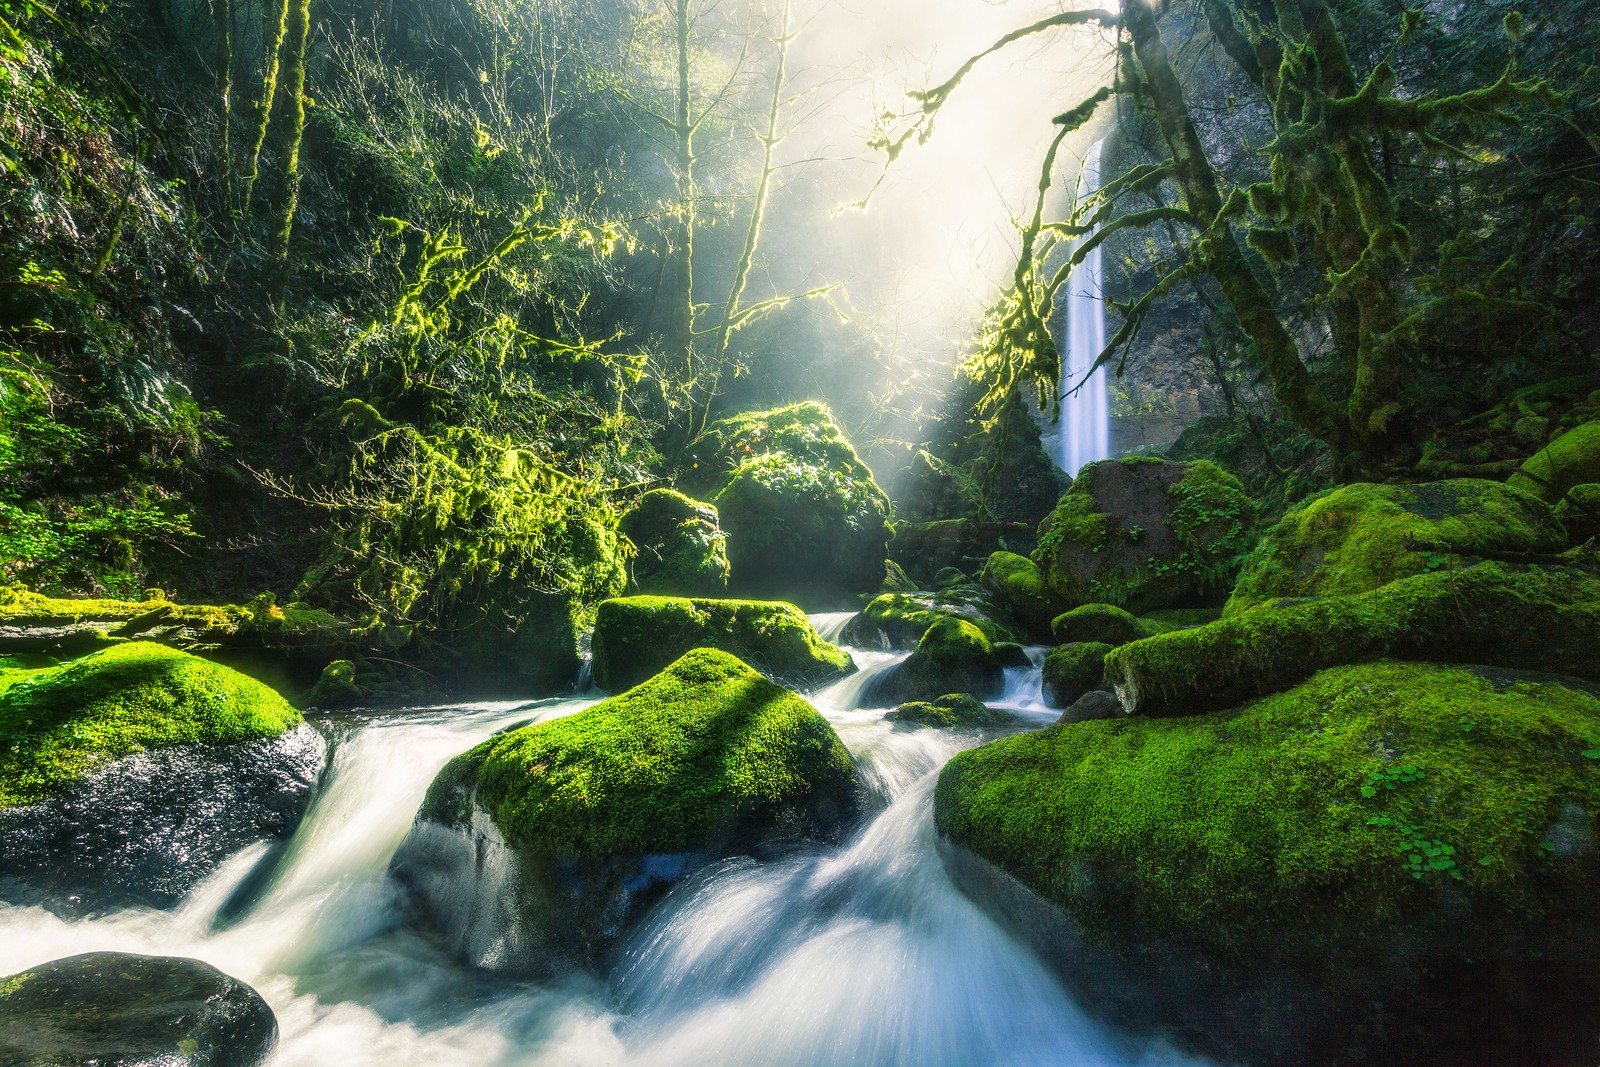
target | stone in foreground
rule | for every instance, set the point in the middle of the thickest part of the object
(540, 847)
(1390, 863)
(129, 775)
(111, 1008)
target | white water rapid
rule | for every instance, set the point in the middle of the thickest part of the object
(1086, 409)
(858, 955)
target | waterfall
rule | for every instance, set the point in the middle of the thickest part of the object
(1086, 412)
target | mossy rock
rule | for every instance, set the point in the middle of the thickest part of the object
(1016, 582)
(1579, 513)
(953, 656)
(637, 637)
(59, 723)
(1530, 617)
(897, 621)
(951, 710)
(1073, 670)
(128, 776)
(118, 1008)
(680, 547)
(803, 514)
(1144, 534)
(548, 841)
(1103, 624)
(1381, 861)
(1359, 537)
(337, 687)
(1571, 459)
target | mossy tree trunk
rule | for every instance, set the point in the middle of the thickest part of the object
(278, 259)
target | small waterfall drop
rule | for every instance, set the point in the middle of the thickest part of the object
(1086, 409)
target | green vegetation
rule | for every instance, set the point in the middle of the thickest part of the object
(953, 656)
(1073, 670)
(637, 637)
(57, 723)
(1533, 618)
(1570, 460)
(900, 619)
(706, 753)
(803, 514)
(1330, 813)
(1017, 583)
(1144, 534)
(1102, 623)
(1360, 537)
(951, 710)
(679, 547)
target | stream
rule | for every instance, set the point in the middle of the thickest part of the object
(856, 955)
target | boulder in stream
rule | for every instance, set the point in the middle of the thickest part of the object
(111, 1008)
(129, 775)
(635, 638)
(679, 544)
(1393, 862)
(954, 656)
(541, 846)
(951, 710)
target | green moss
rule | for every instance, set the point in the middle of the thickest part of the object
(1144, 534)
(635, 637)
(953, 656)
(1358, 537)
(1015, 580)
(900, 619)
(1579, 513)
(680, 547)
(1180, 618)
(952, 710)
(58, 723)
(802, 512)
(1333, 811)
(679, 764)
(336, 687)
(1073, 670)
(1533, 618)
(1571, 459)
(1101, 623)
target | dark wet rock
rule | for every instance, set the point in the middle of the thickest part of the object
(113, 1009)
(149, 827)
(1092, 706)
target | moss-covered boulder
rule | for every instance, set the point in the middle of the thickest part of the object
(951, 710)
(637, 637)
(545, 843)
(953, 656)
(1144, 534)
(1571, 459)
(679, 545)
(925, 549)
(1391, 860)
(1535, 618)
(129, 774)
(1073, 670)
(1359, 537)
(118, 1008)
(1103, 624)
(1016, 582)
(1579, 513)
(897, 621)
(803, 515)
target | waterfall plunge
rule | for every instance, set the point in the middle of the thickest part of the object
(1086, 410)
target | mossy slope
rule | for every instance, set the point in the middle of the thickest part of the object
(1359, 537)
(58, 723)
(704, 755)
(636, 637)
(1537, 618)
(1331, 817)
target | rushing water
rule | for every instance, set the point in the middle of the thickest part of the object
(860, 954)
(1086, 410)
